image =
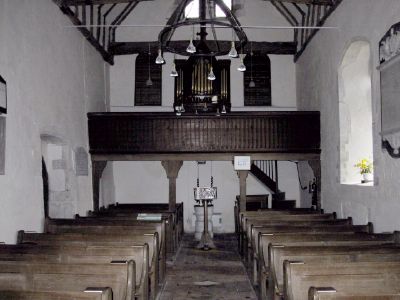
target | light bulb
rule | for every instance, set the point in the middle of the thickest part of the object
(211, 76)
(223, 111)
(160, 59)
(149, 82)
(173, 73)
(252, 83)
(191, 48)
(233, 53)
(241, 67)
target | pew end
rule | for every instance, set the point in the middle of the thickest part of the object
(315, 292)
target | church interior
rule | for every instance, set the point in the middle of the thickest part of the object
(199, 149)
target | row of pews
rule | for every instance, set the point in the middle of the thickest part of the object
(307, 254)
(117, 253)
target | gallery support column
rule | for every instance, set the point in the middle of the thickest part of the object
(97, 170)
(172, 168)
(242, 181)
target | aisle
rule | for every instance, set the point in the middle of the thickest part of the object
(227, 279)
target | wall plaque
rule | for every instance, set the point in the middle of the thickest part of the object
(390, 90)
(81, 162)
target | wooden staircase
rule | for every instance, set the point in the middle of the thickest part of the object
(266, 171)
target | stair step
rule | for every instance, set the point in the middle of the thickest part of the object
(283, 204)
(280, 196)
(255, 202)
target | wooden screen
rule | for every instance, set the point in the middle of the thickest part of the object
(258, 67)
(147, 95)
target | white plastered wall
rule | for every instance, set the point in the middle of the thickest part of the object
(54, 77)
(317, 89)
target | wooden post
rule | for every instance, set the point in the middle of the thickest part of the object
(242, 180)
(316, 167)
(172, 168)
(97, 170)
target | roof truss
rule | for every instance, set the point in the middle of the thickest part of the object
(93, 19)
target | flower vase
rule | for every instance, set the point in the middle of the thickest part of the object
(367, 177)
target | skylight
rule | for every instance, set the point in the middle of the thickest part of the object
(192, 9)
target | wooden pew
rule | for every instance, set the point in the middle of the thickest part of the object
(152, 208)
(284, 220)
(278, 254)
(295, 223)
(246, 221)
(75, 254)
(363, 278)
(31, 276)
(171, 229)
(293, 239)
(157, 264)
(88, 294)
(329, 293)
(91, 226)
(238, 214)
(315, 228)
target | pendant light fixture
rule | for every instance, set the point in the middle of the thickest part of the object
(191, 48)
(242, 67)
(211, 75)
(223, 110)
(174, 73)
(252, 84)
(233, 52)
(149, 82)
(160, 59)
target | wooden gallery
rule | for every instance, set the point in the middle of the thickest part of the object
(199, 149)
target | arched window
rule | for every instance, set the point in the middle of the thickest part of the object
(355, 111)
(257, 80)
(147, 81)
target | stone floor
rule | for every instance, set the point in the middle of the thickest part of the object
(207, 275)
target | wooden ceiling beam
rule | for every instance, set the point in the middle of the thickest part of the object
(93, 2)
(125, 48)
(314, 2)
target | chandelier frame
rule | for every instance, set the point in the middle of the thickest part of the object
(178, 20)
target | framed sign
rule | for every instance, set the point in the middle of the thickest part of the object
(242, 163)
(3, 96)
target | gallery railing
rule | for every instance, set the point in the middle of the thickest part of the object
(237, 132)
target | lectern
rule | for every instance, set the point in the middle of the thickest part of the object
(206, 195)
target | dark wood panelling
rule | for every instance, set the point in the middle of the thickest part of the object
(260, 95)
(255, 132)
(147, 95)
(282, 48)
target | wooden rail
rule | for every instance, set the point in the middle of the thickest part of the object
(239, 132)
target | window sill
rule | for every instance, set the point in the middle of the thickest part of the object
(371, 183)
